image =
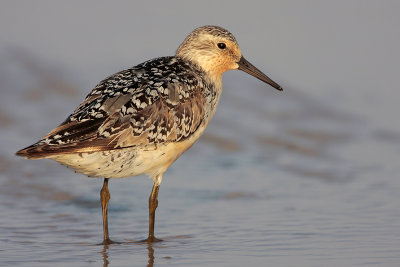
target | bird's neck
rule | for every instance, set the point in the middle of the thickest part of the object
(213, 71)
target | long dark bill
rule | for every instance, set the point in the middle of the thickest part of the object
(246, 66)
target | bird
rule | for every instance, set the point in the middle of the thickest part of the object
(142, 119)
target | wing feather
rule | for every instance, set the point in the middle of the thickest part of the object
(159, 101)
(160, 122)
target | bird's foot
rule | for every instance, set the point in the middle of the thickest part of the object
(151, 239)
(107, 242)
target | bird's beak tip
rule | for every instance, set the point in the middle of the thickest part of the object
(246, 66)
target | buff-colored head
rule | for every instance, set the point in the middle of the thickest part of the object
(215, 50)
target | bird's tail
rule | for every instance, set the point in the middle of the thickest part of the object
(35, 151)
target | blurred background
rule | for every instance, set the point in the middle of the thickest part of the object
(304, 177)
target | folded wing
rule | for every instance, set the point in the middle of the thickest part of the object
(133, 116)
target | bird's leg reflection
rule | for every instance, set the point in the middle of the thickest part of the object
(151, 254)
(105, 256)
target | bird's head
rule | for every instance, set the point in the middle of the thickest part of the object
(216, 50)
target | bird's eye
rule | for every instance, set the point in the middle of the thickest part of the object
(221, 45)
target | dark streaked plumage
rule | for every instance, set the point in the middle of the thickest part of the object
(140, 120)
(158, 101)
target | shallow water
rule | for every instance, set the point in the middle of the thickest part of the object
(306, 177)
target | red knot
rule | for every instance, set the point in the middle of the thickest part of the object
(140, 120)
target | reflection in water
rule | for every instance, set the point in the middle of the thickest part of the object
(150, 249)
(105, 256)
(151, 255)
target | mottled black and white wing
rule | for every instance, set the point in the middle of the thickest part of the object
(145, 105)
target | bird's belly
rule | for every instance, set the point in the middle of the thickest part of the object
(118, 163)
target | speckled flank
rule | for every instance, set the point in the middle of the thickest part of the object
(157, 101)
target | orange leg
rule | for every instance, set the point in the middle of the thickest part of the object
(153, 203)
(105, 198)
